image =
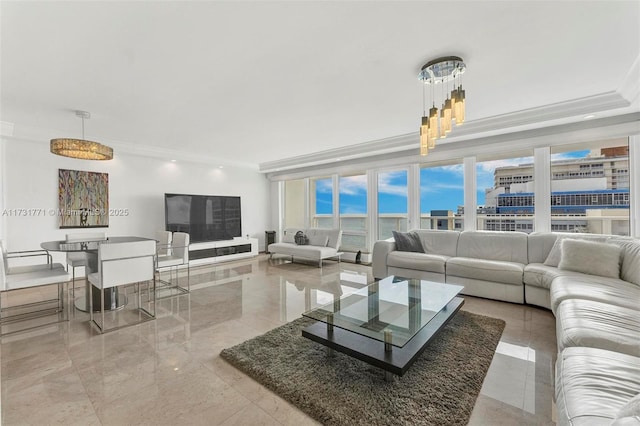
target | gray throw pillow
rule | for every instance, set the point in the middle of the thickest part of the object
(408, 241)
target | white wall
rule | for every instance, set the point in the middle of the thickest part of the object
(135, 183)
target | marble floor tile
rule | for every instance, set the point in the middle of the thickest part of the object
(169, 371)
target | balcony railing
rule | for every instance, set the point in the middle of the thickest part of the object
(355, 234)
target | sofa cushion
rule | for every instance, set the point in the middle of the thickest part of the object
(630, 268)
(590, 257)
(307, 252)
(539, 245)
(417, 261)
(590, 287)
(334, 236)
(439, 241)
(598, 325)
(592, 385)
(407, 241)
(554, 256)
(318, 240)
(539, 275)
(486, 270)
(501, 246)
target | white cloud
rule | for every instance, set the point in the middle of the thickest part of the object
(439, 187)
(386, 187)
(353, 185)
(454, 168)
(324, 186)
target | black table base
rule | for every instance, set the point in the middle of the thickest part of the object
(372, 351)
(113, 300)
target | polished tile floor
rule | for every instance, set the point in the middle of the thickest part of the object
(168, 371)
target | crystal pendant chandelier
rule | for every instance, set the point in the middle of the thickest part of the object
(440, 75)
(81, 148)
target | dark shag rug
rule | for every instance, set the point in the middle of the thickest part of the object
(440, 388)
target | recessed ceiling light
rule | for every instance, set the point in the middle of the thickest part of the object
(173, 161)
(588, 117)
(221, 167)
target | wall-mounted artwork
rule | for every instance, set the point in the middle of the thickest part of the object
(83, 199)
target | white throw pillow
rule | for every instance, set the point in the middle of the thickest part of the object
(590, 257)
(629, 412)
(630, 268)
(553, 258)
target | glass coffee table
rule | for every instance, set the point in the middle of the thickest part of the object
(387, 324)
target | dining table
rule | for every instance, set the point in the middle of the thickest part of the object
(113, 300)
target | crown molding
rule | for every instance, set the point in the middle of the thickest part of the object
(380, 146)
(536, 118)
(619, 102)
(584, 131)
(630, 87)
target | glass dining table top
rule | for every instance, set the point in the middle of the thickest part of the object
(400, 305)
(89, 245)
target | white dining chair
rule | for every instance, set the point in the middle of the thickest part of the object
(122, 264)
(80, 259)
(30, 276)
(164, 239)
(178, 257)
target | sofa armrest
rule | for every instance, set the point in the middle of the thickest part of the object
(381, 250)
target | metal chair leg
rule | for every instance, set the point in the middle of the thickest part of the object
(102, 309)
(91, 303)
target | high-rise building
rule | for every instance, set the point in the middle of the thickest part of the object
(589, 194)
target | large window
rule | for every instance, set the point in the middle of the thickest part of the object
(505, 192)
(441, 197)
(392, 202)
(590, 187)
(322, 202)
(353, 212)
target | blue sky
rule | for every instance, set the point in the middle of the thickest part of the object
(441, 188)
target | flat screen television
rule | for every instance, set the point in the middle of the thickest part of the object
(203, 217)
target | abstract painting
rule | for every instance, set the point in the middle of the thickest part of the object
(83, 199)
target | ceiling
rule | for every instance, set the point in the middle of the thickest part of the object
(270, 83)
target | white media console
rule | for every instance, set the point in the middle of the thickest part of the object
(222, 251)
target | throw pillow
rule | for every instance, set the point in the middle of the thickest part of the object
(289, 235)
(629, 411)
(408, 241)
(630, 268)
(590, 258)
(318, 240)
(553, 258)
(301, 239)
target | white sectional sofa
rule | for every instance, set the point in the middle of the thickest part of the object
(591, 283)
(323, 244)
